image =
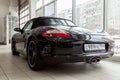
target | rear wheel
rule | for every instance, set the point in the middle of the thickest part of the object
(33, 57)
(13, 48)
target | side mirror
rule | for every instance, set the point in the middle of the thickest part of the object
(18, 30)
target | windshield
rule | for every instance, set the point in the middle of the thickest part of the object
(54, 22)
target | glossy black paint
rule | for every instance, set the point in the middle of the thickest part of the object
(62, 50)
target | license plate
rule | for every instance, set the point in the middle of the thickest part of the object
(94, 47)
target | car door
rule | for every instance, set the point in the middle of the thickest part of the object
(26, 32)
(22, 38)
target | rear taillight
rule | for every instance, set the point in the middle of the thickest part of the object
(55, 33)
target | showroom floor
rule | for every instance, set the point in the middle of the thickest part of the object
(15, 68)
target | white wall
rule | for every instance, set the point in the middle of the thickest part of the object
(6, 7)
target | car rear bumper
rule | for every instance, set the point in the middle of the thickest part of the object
(73, 52)
(74, 58)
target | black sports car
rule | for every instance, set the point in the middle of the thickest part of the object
(57, 40)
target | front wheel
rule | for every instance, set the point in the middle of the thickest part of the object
(13, 48)
(33, 57)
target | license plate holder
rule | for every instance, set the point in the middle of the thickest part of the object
(94, 47)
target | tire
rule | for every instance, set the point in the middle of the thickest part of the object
(13, 49)
(33, 56)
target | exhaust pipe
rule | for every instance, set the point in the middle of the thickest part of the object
(93, 60)
(98, 59)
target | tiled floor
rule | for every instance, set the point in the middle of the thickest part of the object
(16, 68)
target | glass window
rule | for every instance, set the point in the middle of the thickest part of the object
(63, 22)
(70, 23)
(47, 1)
(24, 16)
(90, 14)
(50, 9)
(39, 4)
(39, 12)
(28, 26)
(64, 9)
(113, 22)
(113, 18)
(52, 22)
(12, 23)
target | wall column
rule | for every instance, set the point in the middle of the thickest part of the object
(32, 5)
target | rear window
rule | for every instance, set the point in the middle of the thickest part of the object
(53, 22)
(70, 23)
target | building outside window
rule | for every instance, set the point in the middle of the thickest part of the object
(47, 1)
(50, 9)
(113, 22)
(45, 8)
(39, 12)
(39, 8)
(90, 14)
(64, 9)
(113, 18)
(24, 15)
(39, 4)
(12, 22)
